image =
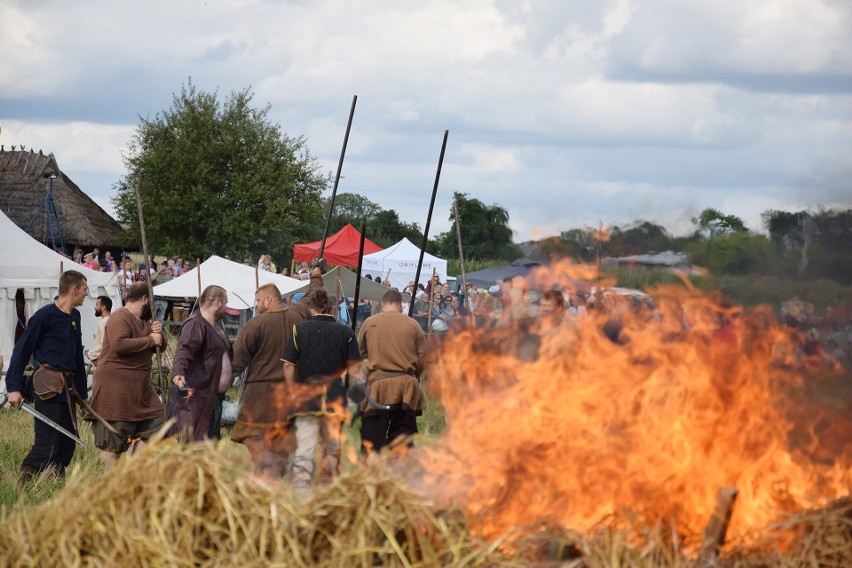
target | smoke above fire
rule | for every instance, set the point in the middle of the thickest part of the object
(638, 412)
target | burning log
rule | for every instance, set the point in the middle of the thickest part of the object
(717, 526)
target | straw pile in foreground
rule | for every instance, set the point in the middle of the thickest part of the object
(193, 505)
(179, 505)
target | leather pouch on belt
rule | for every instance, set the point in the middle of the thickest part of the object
(48, 382)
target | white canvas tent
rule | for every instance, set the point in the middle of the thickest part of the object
(239, 280)
(28, 265)
(401, 260)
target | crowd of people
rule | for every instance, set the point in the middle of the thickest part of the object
(297, 366)
(285, 415)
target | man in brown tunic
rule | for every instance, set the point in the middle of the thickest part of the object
(122, 392)
(263, 423)
(392, 346)
(201, 369)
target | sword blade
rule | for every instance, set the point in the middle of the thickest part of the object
(95, 415)
(38, 415)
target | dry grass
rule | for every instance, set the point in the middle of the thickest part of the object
(193, 506)
(196, 505)
(178, 505)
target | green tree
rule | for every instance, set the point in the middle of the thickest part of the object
(384, 226)
(739, 253)
(485, 232)
(640, 237)
(386, 229)
(785, 229)
(579, 244)
(351, 208)
(216, 176)
(713, 223)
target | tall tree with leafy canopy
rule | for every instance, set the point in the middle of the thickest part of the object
(217, 177)
(485, 232)
(350, 208)
(384, 226)
(713, 223)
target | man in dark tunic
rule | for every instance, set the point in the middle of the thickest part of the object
(53, 338)
(201, 368)
(263, 422)
(318, 352)
(122, 393)
(393, 346)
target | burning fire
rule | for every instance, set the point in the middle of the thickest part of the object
(560, 423)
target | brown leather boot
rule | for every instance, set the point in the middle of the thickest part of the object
(27, 474)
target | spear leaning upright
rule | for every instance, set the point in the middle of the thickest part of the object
(428, 222)
(150, 293)
(337, 177)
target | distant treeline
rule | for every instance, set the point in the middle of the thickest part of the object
(799, 245)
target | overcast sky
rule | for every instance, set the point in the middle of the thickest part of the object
(565, 112)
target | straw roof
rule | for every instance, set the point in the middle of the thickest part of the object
(24, 183)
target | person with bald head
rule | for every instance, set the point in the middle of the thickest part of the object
(263, 422)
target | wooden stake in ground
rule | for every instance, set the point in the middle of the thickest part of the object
(357, 297)
(461, 253)
(150, 294)
(717, 526)
(431, 301)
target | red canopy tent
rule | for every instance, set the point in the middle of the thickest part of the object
(341, 248)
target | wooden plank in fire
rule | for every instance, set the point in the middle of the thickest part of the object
(717, 527)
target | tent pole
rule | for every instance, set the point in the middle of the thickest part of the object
(337, 293)
(150, 294)
(198, 274)
(428, 221)
(431, 302)
(337, 177)
(461, 253)
(358, 272)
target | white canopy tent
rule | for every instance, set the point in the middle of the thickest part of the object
(400, 260)
(28, 265)
(239, 280)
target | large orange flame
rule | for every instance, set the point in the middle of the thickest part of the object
(557, 422)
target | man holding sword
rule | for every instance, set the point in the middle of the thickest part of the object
(53, 340)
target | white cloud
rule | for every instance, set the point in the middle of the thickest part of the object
(566, 112)
(86, 146)
(709, 39)
(488, 160)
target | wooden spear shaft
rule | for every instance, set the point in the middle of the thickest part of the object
(358, 273)
(461, 254)
(337, 177)
(150, 293)
(431, 302)
(428, 222)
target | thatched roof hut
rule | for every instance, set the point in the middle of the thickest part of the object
(25, 178)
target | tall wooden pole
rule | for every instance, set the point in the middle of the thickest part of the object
(150, 293)
(358, 273)
(428, 222)
(461, 254)
(337, 176)
(198, 277)
(431, 302)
